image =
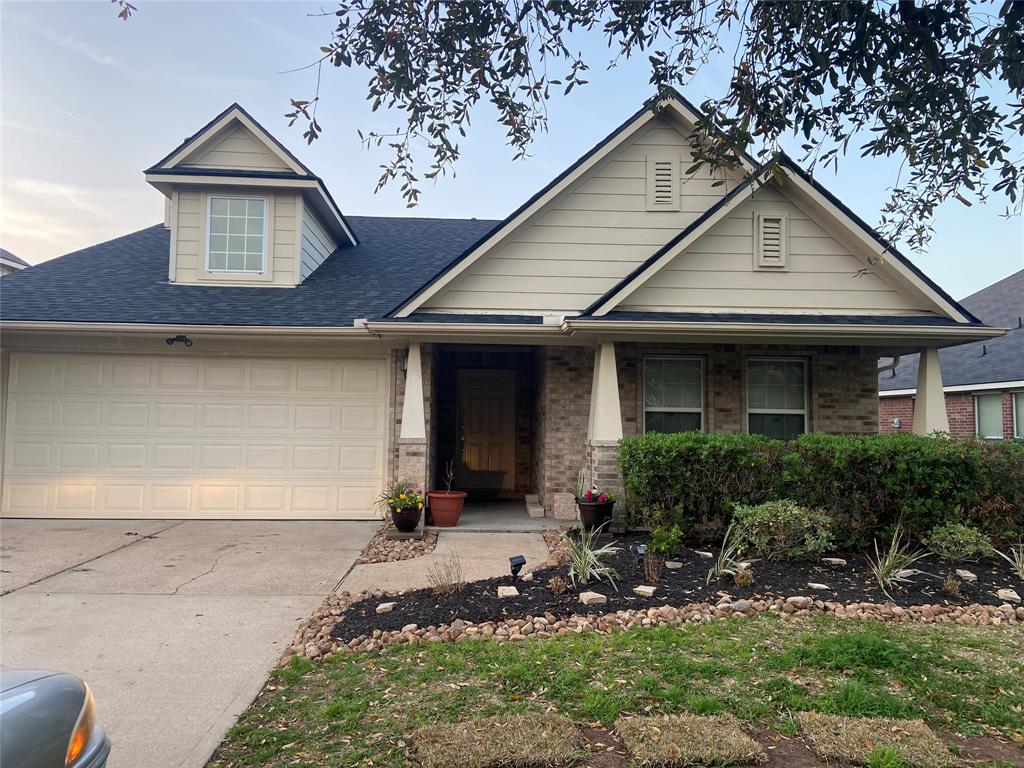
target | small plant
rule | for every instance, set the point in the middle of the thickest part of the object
(445, 576)
(728, 562)
(402, 495)
(585, 564)
(557, 585)
(956, 541)
(1015, 558)
(886, 757)
(449, 475)
(663, 544)
(951, 585)
(783, 530)
(892, 565)
(589, 494)
(580, 486)
(743, 578)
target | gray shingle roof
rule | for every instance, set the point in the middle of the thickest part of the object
(125, 280)
(1001, 305)
(8, 256)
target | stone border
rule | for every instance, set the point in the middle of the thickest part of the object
(380, 549)
(313, 639)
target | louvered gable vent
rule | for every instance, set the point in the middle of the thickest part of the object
(772, 241)
(662, 183)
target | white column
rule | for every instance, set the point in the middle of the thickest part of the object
(605, 413)
(930, 403)
(413, 421)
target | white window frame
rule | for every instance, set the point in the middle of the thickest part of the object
(977, 416)
(643, 389)
(209, 220)
(805, 411)
(1016, 414)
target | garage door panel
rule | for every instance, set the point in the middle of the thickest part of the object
(95, 435)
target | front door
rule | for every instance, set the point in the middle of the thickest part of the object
(486, 430)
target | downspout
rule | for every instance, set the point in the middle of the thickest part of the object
(891, 366)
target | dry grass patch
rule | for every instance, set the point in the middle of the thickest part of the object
(507, 741)
(676, 740)
(852, 739)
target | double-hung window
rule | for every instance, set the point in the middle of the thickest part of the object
(988, 416)
(1018, 415)
(673, 394)
(237, 234)
(777, 397)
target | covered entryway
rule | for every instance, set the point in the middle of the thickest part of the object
(125, 436)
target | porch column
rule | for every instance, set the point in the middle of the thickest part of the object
(605, 430)
(412, 439)
(930, 403)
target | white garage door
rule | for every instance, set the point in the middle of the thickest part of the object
(162, 437)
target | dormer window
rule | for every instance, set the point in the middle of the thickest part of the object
(237, 228)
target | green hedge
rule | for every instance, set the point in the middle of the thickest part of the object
(867, 483)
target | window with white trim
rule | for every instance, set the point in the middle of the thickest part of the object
(777, 397)
(673, 394)
(772, 240)
(237, 234)
(1018, 414)
(988, 416)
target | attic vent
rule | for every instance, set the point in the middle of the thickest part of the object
(662, 183)
(772, 241)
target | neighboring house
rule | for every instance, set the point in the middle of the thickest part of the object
(983, 381)
(10, 263)
(260, 354)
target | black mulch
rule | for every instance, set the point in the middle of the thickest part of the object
(478, 601)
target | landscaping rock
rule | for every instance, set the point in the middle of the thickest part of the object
(705, 555)
(819, 587)
(741, 606)
(673, 565)
(644, 591)
(966, 575)
(385, 608)
(592, 598)
(508, 592)
(799, 602)
(381, 549)
(836, 561)
(527, 577)
(1008, 595)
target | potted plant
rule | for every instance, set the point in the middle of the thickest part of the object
(595, 506)
(446, 505)
(405, 504)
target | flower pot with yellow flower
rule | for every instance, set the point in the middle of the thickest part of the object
(405, 504)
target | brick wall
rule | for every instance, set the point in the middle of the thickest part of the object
(890, 408)
(959, 410)
(410, 459)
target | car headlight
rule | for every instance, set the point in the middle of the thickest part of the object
(83, 728)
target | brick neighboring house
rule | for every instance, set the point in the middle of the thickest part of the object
(983, 381)
(259, 354)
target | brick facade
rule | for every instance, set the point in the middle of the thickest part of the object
(959, 409)
(410, 459)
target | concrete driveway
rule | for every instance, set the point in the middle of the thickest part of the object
(174, 624)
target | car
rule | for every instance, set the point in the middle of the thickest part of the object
(48, 720)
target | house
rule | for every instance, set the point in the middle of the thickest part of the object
(10, 263)
(983, 380)
(261, 354)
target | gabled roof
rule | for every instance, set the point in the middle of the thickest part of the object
(171, 168)
(982, 362)
(9, 259)
(675, 104)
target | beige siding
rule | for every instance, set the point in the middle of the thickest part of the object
(590, 237)
(189, 238)
(717, 272)
(235, 147)
(317, 244)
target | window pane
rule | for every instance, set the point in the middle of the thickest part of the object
(253, 262)
(219, 225)
(672, 383)
(236, 226)
(1018, 400)
(658, 421)
(218, 261)
(236, 261)
(990, 415)
(219, 206)
(218, 243)
(775, 384)
(254, 208)
(781, 426)
(237, 207)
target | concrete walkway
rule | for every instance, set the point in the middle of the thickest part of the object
(483, 555)
(174, 624)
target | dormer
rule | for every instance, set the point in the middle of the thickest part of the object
(243, 210)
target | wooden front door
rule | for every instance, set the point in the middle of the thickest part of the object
(486, 430)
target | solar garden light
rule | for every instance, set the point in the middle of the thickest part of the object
(516, 563)
(639, 550)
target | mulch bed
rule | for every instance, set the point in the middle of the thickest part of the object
(478, 601)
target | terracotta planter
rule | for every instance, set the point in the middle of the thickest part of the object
(594, 514)
(445, 507)
(405, 520)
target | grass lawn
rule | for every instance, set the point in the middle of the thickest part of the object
(359, 710)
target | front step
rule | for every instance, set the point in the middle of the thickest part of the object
(533, 506)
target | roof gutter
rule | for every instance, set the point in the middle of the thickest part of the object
(465, 329)
(245, 330)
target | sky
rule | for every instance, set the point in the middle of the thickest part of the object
(88, 101)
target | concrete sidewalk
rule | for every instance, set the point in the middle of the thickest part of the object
(174, 624)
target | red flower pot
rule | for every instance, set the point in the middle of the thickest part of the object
(594, 514)
(405, 520)
(445, 507)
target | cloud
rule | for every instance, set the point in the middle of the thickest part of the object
(71, 43)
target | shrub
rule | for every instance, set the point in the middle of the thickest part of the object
(585, 564)
(956, 541)
(783, 530)
(865, 483)
(891, 565)
(445, 576)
